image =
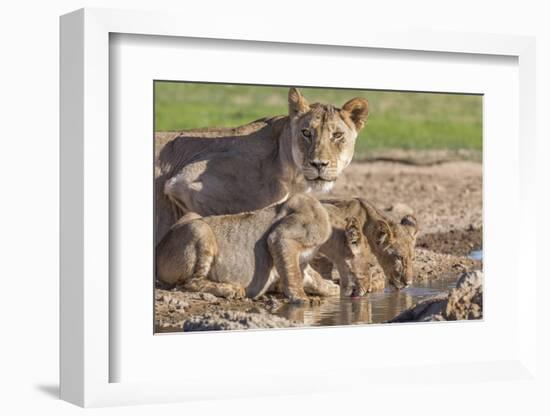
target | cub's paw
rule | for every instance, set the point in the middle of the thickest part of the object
(239, 293)
(233, 292)
(346, 291)
(315, 301)
(298, 300)
(330, 289)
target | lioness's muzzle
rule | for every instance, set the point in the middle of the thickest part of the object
(319, 164)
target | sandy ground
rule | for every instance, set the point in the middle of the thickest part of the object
(445, 196)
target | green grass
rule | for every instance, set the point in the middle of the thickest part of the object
(396, 120)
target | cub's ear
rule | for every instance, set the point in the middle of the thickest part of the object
(358, 109)
(353, 231)
(411, 225)
(384, 234)
(297, 104)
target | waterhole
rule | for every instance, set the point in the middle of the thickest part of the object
(476, 255)
(370, 309)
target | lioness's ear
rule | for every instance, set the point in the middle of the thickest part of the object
(411, 225)
(358, 109)
(297, 104)
(384, 234)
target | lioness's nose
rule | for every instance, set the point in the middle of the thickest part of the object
(319, 163)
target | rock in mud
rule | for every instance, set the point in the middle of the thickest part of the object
(228, 320)
(463, 302)
(466, 301)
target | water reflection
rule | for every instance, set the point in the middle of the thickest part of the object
(373, 308)
(476, 255)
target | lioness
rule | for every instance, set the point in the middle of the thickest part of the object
(391, 243)
(244, 254)
(232, 170)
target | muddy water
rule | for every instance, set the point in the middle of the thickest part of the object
(372, 308)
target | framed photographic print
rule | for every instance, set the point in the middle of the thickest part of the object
(235, 223)
(231, 203)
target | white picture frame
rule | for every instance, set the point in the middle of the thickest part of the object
(86, 293)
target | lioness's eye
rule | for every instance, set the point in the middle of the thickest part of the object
(337, 135)
(306, 133)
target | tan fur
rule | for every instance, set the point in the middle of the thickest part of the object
(228, 171)
(243, 254)
(363, 237)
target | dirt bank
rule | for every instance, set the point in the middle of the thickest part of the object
(203, 311)
(443, 197)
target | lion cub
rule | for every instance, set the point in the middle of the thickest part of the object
(244, 254)
(370, 237)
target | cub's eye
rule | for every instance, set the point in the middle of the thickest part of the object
(306, 133)
(337, 135)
